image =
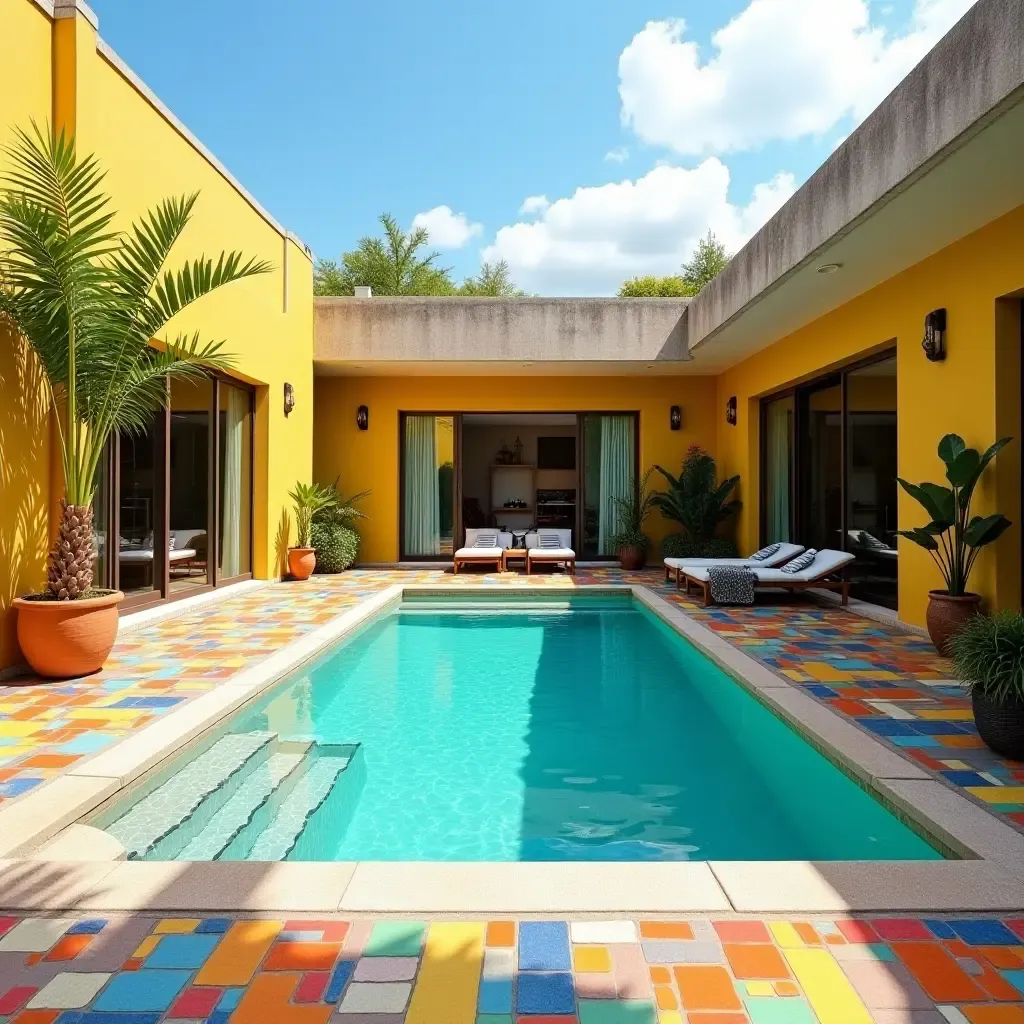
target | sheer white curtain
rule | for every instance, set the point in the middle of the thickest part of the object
(616, 476)
(422, 499)
(236, 410)
(779, 430)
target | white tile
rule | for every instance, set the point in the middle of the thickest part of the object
(499, 963)
(68, 991)
(602, 932)
(386, 968)
(892, 710)
(375, 998)
(34, 934)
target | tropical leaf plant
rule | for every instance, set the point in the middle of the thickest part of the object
(695, 499)
(632, 512)
(988, 656)
(310, 500)
(94, 304)
(952, 536)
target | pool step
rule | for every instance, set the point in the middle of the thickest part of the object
(154, 824)
(264, 781)
(310, 790)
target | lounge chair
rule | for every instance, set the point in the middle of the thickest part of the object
(479, 551)
(785, 552)
(826, 572)
(550, 547)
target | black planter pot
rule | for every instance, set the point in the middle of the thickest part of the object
(1001, 726)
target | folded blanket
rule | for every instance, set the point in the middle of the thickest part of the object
(731, 584)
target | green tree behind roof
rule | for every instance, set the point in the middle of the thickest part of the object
(708, 261)
(651, 287)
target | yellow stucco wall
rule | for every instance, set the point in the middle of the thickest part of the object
(975, 392)
(369, 459)
(266, 322)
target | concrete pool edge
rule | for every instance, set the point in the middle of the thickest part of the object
(992, 880)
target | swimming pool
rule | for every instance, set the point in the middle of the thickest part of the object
(547, 730)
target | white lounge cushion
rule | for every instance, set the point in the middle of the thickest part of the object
(825, 562)
(146, 554)
(783, 555)
(478, 554)
(474, 533)
(549, 554)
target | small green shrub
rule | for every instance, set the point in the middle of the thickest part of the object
(681, 545)
(336, 546)
(988, 656)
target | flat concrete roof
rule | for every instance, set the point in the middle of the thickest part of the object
(540, 335)
(940, 157)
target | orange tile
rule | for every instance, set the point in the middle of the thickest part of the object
(36, 1017)
(32, 959)
(501, 933)
(238, 954)
(717, 1018)
(786, 988)
(69, 947)
(749, 962)
(1001, 956)
(661, 976)
(665, 930)
(49, 761)
(937, 972)
(997, 986)
(665, 997)
(706, 988)
(742, 931)
(807, 933)
(961, 742)
(302, 956)
(993, 1014)
(267, 997)
(133, 964)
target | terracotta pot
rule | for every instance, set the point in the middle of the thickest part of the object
(946, 614)
(301, 562)
(632, 557)
(64, 639)
(1001, 726)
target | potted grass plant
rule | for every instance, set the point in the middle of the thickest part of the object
(309, 501)
(630, 542)
(988, 657)
(93, 303)
(953, 537)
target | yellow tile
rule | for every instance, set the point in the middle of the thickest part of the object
(760, 988)
(591, 959)
(952, 715)
(961, 766)
(998, 794)
(785, 935)
(446, 989)
(19, 728)
(831, 996)
(108, 714)
(239, 953)
(670, 1017)
(177, 926)
(827, 673)
(149, 943)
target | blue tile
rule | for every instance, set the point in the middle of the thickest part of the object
(938, 728)
(880, 951)
(87, 743)
(213, 926)
(820, 691)
(545, 993)
(182, 951)
(963, 778)
(90, 926)
(984, 933)
(941, 929)
(141, 990)
(495, 995)
(339, 979)
(1015, 978)
(18, 786)
(914, 741)
(231, 998)
(544, 946)
(219, 1017)
(92, 1017)
(887, 726)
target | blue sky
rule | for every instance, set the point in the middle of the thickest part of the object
(640, 133)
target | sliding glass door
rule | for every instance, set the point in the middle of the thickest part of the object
(428, 505)
(821, 464)
(609, 473)
(777, 433)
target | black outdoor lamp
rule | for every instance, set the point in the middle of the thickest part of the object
(289, 398)
(934, 343)
(675, 417)
(730, 411)
(363, 418)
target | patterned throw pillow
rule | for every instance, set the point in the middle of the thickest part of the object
(486, 540)
(764, 553)
(549, 540)
(800, 562)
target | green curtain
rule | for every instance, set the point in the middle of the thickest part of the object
(778, 468)
(617, 474)
(422, 499)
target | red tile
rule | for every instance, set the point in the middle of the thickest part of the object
(901, 928)
(742, 931)
(16, 997)
(311, 987)
(1015, 925)
(937, 972)
(196, 1002)
(7, 923)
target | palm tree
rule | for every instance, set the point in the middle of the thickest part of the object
(91, 301)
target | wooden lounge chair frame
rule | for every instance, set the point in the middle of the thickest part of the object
(456, 562)
(835, 580)
(569, 563)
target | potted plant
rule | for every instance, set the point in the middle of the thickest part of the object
(988, 656)
(90, 301)
(309, 499)
(953, 537)
(333, 535)
(699, 503)
(630, 542)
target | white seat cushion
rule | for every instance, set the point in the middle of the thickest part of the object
(549, 554)
(825, 562)
(783, 555)
(486, 554)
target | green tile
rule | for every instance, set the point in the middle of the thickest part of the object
(778, 1010)
(495, 1018)
(395, 938)
(630, 1011)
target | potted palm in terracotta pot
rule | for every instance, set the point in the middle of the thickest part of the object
(309, 500)
(953, 537)
(91, 302)
(630, 542)
(988, 656)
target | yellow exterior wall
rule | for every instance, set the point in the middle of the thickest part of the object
(266, 322)
(975, 392)
(369, 459)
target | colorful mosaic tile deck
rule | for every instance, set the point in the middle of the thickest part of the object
(141, 970)
(889, 682)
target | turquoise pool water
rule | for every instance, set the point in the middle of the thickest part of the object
(587, 731)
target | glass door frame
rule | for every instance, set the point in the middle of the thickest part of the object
(161, 591)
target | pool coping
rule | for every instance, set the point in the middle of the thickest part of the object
(37, 831)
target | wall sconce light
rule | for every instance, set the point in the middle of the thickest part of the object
(934, 343)
(363, 418)
(289, 398)
(675, 417)
(730, 411)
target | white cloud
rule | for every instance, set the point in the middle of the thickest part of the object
(781, 69)
(534, 204)
(590, 242)
(447, 229)
(617, 156)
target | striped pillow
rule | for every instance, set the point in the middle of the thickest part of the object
(800, 562)
(549, 540)
(486, 540)
(764, 553)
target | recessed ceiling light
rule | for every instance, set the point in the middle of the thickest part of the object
(650, 366)
(527, 364)
(829, 268)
